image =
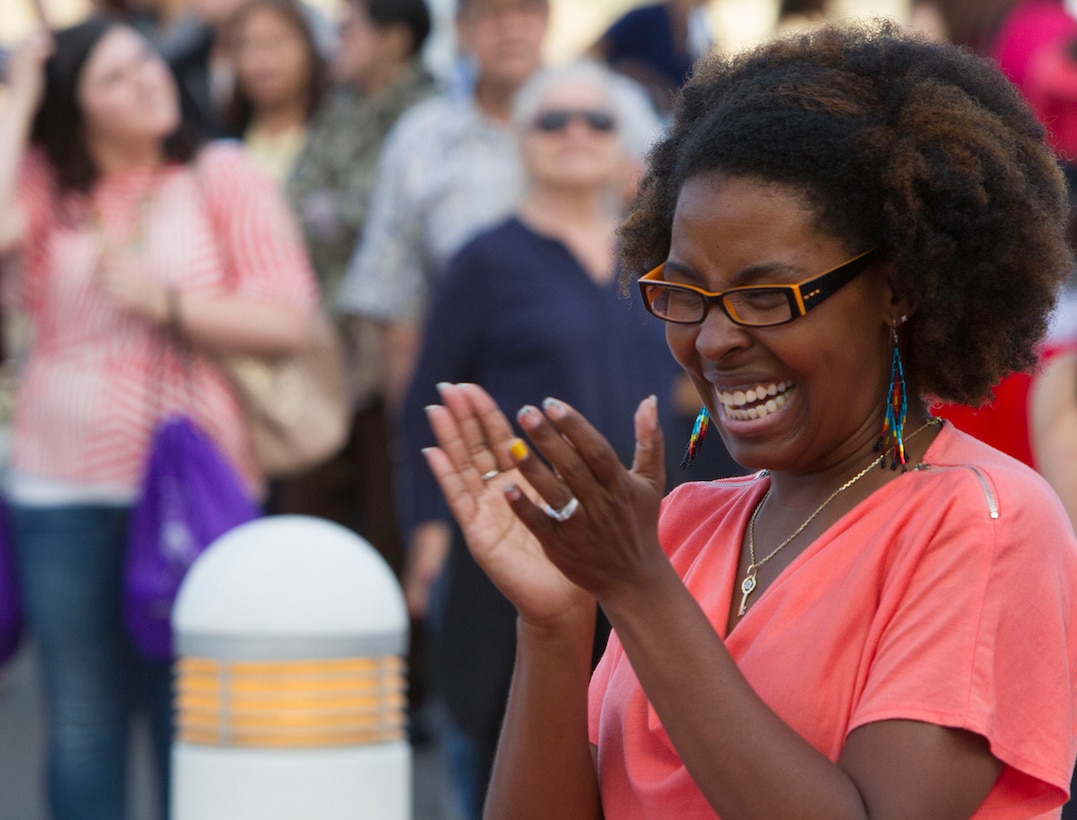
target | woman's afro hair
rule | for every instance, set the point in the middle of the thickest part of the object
(921, 150)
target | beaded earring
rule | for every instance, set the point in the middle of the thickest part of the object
(892, 439)
(695, 441)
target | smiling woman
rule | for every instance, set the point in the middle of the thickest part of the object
(837, 225)
(740, 231)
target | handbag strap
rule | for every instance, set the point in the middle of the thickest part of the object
(216, 226)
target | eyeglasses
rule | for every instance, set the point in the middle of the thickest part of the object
(553, 121)
(751, 305)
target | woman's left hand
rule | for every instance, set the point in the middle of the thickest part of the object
(123, 278)
(606, 541)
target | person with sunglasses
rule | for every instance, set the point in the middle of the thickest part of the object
(881, 621)
(533, 302)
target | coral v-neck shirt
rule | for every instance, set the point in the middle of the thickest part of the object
(949, 596)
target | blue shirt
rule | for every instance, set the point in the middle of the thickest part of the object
(516, 314)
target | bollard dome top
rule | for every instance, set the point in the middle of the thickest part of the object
(288, 587)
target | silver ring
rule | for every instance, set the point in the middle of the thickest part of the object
(490, 474)
(565, 513)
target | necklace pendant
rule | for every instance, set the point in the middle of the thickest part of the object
(747, 587)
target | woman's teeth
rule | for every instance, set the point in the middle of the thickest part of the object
(766, 399)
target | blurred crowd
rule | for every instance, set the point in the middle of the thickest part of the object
(225, 170)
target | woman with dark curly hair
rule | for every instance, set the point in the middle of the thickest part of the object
(878, 622)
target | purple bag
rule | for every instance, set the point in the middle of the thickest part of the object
(10, 609)
(190, 497)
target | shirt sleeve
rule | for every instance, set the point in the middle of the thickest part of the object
(450, 353)
(257, 233)
(978, 634)
(34, 197)
(385, 279)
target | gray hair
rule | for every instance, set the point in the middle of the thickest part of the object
(638, 125)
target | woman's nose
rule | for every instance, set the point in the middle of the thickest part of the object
(718, 334)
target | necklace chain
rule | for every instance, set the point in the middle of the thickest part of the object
(749, 583)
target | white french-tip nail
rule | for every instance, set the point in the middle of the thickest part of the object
(553, 408)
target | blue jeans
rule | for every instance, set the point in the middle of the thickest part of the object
(70, 568)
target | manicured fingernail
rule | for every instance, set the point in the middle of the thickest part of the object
(443, 386)
(554, 409)
(518, 450)
(512, 492)
(529, 417)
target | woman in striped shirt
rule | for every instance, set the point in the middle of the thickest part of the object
(118, 236)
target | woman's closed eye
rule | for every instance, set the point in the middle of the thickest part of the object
(762, 299)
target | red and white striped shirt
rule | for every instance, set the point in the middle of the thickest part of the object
(97, 379)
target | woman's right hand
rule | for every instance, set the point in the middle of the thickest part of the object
(474, 439)
(26, 69)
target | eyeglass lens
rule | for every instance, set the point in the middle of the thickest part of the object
(766, 306)
(553, 121)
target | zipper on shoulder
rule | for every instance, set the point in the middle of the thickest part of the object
(746, 479)
(985, 485)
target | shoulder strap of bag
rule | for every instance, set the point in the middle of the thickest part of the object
(217, 227)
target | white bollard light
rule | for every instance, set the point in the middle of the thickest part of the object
(290, 682)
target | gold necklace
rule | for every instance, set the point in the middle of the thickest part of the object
(748, 585)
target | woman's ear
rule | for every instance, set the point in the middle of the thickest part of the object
(897, 301)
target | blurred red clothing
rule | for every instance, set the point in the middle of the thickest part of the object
(1003, 422)
(1051, 90)
(1031, 28)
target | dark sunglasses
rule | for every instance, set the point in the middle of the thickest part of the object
(553, 121)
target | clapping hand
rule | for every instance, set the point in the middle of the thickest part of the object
(599, 522)
(505, 500)
(474, 468)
